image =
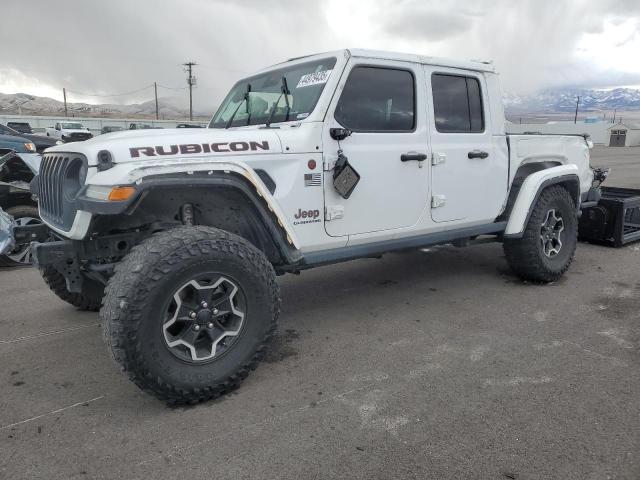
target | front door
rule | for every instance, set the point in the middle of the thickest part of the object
(468, 177)
(377, 102)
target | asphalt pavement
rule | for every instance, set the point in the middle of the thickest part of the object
(436, 363)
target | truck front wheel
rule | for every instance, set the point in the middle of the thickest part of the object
(548, 244)
(189, 312)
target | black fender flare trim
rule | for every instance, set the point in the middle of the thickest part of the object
(290, 254)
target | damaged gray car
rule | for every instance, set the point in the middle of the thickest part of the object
(18, 165)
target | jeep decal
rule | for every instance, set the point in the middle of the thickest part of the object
(309, 216)
(194, 148)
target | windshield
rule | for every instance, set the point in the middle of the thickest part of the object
(305, 81)
(76, 126)
(8, 130)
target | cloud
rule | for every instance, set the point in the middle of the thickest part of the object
(122, 45)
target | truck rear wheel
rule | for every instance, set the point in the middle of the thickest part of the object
(189, 312)
(89, 299)
(548, 244)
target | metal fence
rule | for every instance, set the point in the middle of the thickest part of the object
(40, 123)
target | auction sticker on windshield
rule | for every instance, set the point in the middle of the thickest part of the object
(314, 78)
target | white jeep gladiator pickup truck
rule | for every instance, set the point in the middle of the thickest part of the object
(177, 235)
(69, 132)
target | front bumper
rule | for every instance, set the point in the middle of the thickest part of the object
(79, 259)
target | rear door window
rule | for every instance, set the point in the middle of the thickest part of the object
(457, 104)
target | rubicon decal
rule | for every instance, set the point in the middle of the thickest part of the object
(195, 148)
(306, 216)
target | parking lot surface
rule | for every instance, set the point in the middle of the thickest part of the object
(436, 363)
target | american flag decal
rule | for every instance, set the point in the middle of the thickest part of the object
(312, 179)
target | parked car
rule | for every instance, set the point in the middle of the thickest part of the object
(22, 127)
(111, 128)
(19, 163)
(140, 126)
(17, 144)
(40, 141)
(69, 132)
(337, 156)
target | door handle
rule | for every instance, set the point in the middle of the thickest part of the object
(408, 157)
(477, 154)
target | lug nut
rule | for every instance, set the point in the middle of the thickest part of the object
(196, 327)
(192, 314)
(215, 311)
(210, 325)
(204, 305)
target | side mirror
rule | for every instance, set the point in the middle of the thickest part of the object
(339, 133)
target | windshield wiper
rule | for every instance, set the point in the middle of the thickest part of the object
(284, 90)
(244, 99)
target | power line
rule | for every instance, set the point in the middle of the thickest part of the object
(172, 88)
(111, 95)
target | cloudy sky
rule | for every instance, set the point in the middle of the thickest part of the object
(117, 46)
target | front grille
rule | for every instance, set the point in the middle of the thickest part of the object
(79, 136)
(55, 174)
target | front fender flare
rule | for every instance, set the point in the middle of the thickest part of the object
(530, 190)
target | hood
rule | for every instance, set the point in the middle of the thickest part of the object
(14, 143)
(40, 140)
(76, 130)
(141, 145)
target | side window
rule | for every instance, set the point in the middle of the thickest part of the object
(457, 104)
(377, 99)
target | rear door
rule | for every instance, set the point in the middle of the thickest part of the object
(378, 102)
(467, 177)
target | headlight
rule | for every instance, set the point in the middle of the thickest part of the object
(30, 147)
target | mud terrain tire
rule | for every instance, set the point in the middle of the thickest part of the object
(169, 272)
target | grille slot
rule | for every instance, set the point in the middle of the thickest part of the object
(53, 206)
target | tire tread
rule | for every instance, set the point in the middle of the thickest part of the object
(523, 254)
(144, 267)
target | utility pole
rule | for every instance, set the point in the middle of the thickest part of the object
(615, 110)
(64, 94)
(191, 81)
(155, 87)
(575, 119)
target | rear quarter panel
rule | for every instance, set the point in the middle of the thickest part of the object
(563, 150)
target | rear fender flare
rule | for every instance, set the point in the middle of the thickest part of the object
(532, 187)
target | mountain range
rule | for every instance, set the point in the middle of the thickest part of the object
(24, 104)
(547, 101)
(564, 100)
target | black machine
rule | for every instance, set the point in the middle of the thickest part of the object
(615, 220)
